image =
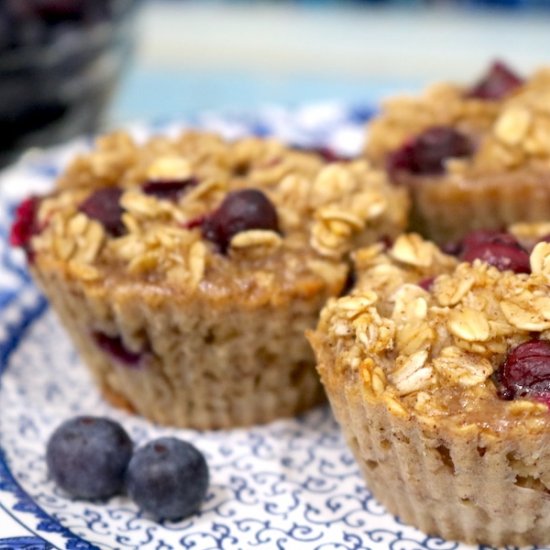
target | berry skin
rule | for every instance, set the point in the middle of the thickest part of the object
(170, 190)
(426, 283)
(88, 456)
(498, 249)
(168, 478)
(25, 225)
(426, 153)
(240, 211)
(114, 346)
(326, 153)
(104, 206)
(526, 372)
(497, 83)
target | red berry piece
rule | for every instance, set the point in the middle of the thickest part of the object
(25, 225)
(501, 256)
(240, 211)
(488, 236)
(497, 83)
(526, 372)
(326, 153)
(474, 238)
(114, 346)
(426, 283)
(170, 190)
(500, 250)
(195, 222)
(426, 153)
(104, 206)
(545, 239)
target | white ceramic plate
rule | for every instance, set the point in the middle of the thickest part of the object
(290, 484)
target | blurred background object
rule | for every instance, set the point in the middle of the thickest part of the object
(206, 54)
(59, 63)
(60, 59)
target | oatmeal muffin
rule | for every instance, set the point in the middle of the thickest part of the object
(472, 157)
(437, 368)
(187, 270)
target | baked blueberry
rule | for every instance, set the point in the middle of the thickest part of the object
(167, 189)
(526, 372)
(104, 206)
(240, 211)
(498, 249)
(498, 82)
(427, 152)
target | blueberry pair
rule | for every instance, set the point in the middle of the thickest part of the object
(94, 458)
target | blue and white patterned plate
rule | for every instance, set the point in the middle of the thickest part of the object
(292, 484)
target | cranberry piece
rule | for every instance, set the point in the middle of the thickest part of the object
(25, 225)
(501, 256)
(526, 372)
(453, 248)
(479, 236)
(488, 236)
(426, 153)
(240, 211)
(326, 153)
(170, 190)
(497, 83)
(104, 206)
(114, 346)
(426, 283)
(195, 222)
(498, 249)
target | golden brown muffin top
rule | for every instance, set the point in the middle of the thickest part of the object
(508, 133)
(429, 334)
(166, 193)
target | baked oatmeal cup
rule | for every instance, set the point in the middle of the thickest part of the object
(437, 368)
(186, 270)
(472, 158)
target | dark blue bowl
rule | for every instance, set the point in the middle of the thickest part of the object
(60, 61)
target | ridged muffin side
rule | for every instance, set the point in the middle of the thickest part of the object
(187, 269)
(410, 362)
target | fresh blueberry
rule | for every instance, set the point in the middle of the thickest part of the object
(168, 478)
(87, 457)
(240, 211)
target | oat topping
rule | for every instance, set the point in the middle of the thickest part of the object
(162, 210)
(512, 131)
(446, 342)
